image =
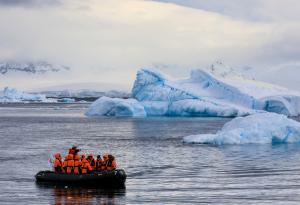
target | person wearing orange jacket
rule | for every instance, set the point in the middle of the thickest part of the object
(77, 164)
(105, 160)
(92, 161)
(57, 164)
(111, 163)
(65, 163)
(69, 164)
(85, 166)
(99, 163)
(74, 150)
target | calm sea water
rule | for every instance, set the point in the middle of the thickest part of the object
(161, 169)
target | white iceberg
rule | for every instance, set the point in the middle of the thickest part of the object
(106, 106)
(14, 95)
(258, 128)
(211, 93)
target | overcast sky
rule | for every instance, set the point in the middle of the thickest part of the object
(107, 41)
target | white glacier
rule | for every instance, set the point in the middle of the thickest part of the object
(217, 91)
(106, 106)
(258, 128)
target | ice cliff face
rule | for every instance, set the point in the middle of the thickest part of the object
(210, 93)
(39, 67)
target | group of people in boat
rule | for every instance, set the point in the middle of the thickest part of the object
(82, 164)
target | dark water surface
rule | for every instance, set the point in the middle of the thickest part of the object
(161, 170)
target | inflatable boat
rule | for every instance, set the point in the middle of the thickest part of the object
(103, 179)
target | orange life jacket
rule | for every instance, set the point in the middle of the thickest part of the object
(111, 165)
(92, 162)
(77, 164)
(64, 164)
(109, 162)
(57, 165)
(85, 166)
(69, 164)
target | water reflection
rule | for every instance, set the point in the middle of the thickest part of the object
(63, 195)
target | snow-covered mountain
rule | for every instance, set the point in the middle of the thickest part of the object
(39, 67)
(214, 91)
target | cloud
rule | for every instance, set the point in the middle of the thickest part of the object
(253, 10)
(107, 41)
(29, 3)
(281, 47)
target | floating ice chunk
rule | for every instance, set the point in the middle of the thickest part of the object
(106, 106)
(257, 128)
(14, 95)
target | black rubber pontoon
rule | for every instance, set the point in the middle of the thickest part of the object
(103, 179)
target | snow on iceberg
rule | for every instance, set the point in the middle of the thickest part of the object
(106, 106)
(258, 128)
(211, 93)
(196, 96)
(269, 97)
(14, 95)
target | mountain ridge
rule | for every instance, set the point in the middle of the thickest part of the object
(31, 67)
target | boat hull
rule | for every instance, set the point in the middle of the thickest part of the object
(103, 179)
